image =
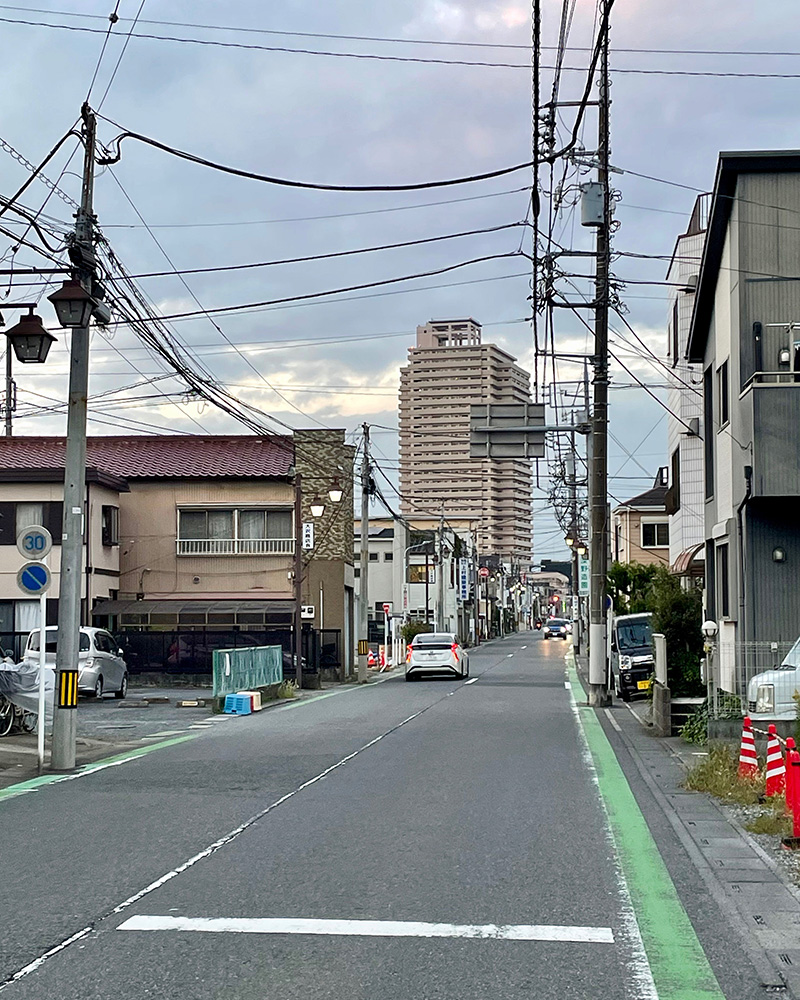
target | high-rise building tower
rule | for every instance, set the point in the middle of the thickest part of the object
(448, 370)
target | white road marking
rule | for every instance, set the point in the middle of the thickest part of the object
(523, 647)
(510, 654)
(612, 720)
(371, 928)
(567, 685)
(472, 681)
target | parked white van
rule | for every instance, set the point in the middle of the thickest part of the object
(769, 694)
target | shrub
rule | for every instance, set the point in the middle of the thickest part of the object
(410, 629)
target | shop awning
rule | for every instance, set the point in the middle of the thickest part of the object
(684, 564)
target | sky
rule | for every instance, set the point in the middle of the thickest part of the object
(347, 119)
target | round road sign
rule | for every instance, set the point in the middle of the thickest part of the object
(34, 578)
(34, 542)
(483, 572)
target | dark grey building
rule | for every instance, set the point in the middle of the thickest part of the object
(745, 331)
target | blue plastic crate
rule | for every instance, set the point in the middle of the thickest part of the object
(238, 704)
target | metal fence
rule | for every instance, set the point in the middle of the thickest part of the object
(246, 669)
(731, 666)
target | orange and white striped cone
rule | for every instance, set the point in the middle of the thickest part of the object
(383, 658)
(748, 758)
(776, 771)
(371, 659)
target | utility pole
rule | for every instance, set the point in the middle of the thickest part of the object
(69, 589)
(363, 588)
(297, 631)
(440, 589)
(598, 477)
(11, 391)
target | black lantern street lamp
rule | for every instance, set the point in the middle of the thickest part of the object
(29, 339)
(73, 304)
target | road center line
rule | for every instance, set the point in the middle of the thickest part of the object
(371, 928)
(471, 681)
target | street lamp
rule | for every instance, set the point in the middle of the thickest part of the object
(580, 548)
(336, 492)
(73, 304)
(29, 339)
(317, 507)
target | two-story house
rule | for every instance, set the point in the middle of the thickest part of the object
(745, 333)
(189, 537)
(641, 526)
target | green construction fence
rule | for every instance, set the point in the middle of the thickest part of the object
(246, 669)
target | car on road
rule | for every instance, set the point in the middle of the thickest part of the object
(433, 654)
(101, 667)
(771, 693)
(556, 628)
(632, 657)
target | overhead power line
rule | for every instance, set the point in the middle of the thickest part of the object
(286, 182)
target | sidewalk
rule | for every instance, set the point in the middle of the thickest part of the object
(757, 900)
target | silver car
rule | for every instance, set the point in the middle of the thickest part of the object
(101, 668)
(436, 653)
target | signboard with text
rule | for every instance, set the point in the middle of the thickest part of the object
(463, 579)
(583, 576)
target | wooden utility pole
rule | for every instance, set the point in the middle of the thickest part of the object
(363, 583)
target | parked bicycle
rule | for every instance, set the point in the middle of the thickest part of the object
(14, 717)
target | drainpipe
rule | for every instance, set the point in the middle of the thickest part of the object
(748, 479)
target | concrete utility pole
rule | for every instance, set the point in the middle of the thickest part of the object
(440, 589)
(297, 630)
(363, 588)
(10, 391)
(598, 477)
(69, 588)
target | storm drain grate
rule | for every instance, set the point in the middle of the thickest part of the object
(759, 920)
(735, 887)
(785, 958)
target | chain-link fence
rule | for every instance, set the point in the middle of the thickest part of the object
(731, 666)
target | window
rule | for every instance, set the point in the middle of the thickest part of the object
(235, 531)
(110, 525)
(723, 582)
(722, 395)
(655, 535)
(673, 500)
(373, 557)
(416, 573)
(708, 429)
(675, 332)
(388, 556)
(29, 514)
(356, 572)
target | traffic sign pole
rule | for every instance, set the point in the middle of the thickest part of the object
(41, 722)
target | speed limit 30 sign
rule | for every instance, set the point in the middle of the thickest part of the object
(34, 542)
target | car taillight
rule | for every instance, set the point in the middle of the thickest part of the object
(454, 649)
(408, 653)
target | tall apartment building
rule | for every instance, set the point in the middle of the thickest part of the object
(448, 370)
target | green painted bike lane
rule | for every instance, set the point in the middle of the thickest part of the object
(678, 963)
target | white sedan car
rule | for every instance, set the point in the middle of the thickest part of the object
(435, 654)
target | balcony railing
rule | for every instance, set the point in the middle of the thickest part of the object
(235, 546)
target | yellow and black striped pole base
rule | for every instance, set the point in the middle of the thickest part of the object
(67, 688)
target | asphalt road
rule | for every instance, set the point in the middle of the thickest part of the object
(369, 814)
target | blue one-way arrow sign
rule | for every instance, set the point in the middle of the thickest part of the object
(34, 578)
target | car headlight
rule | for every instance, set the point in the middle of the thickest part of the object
(765, 698)
(625, 662)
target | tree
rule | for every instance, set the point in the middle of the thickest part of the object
(678, 615)
(629, 585)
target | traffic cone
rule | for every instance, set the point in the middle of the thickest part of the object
(776, 772)
(748, 759)
(790, 793)
(371, 659)
(383, 658)
(794, 766)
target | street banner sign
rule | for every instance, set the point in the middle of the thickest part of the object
(34, 542)
(463, 579)
(483, 572)
(34, 578)
(308, 534)
(405, 597)
(583, 576)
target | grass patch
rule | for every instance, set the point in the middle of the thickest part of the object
(287, 689)
(773, 819)
(717, 775)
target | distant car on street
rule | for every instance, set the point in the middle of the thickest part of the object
(556, 628)
(101, 667)
(434, 654)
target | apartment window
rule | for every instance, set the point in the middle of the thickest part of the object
(723, 581)
(28, 514)
(674, 491)
(356, 572)
(373, 556)
(655, 535)
(235, 531)
(109, 523)
(722, 395)
(388, 556)
(708, 429)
